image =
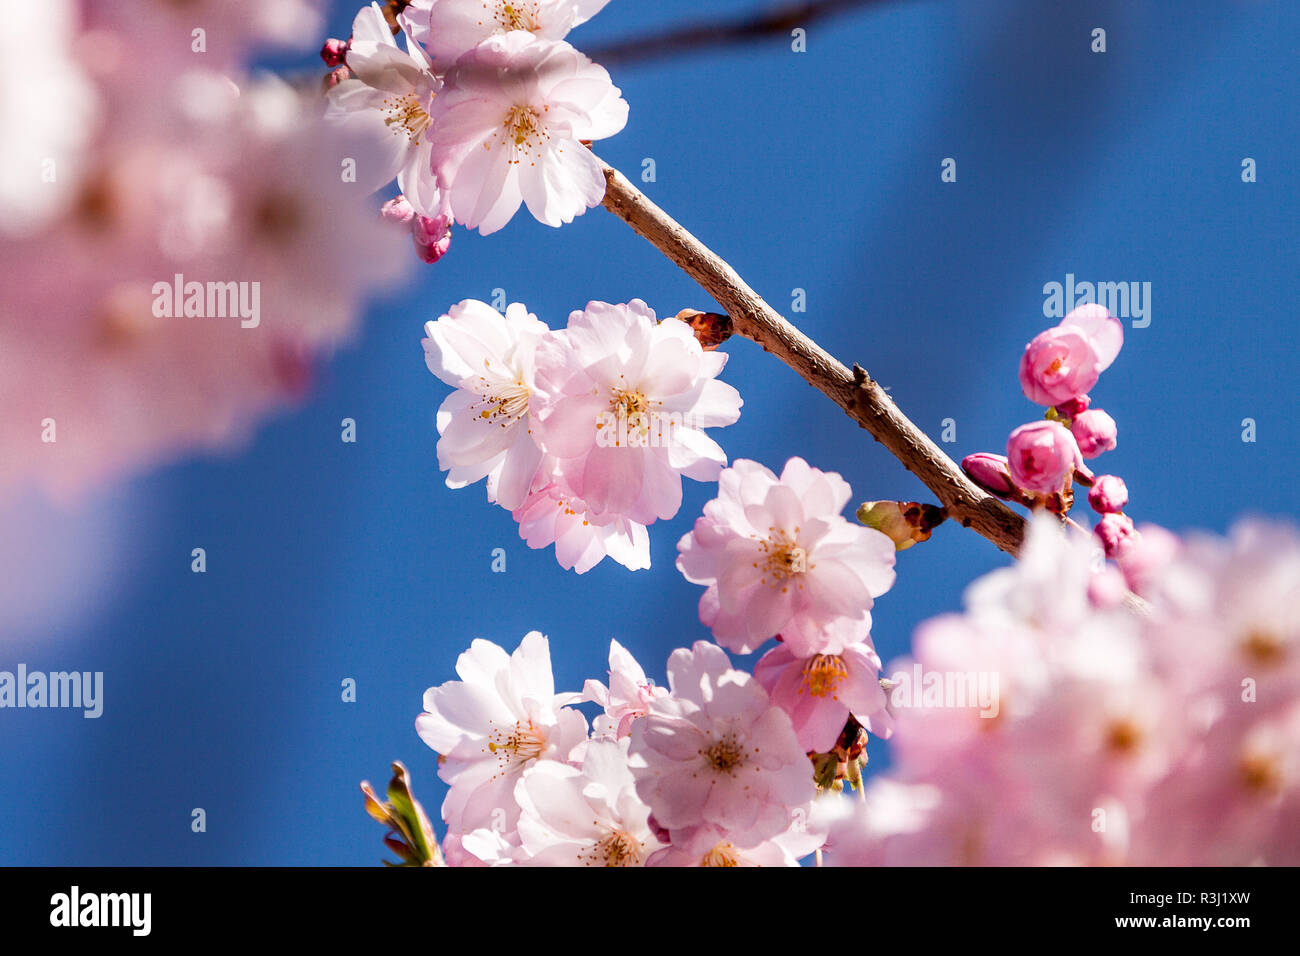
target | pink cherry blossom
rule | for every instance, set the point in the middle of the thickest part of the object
(627, 697)
(1094, 431)
(387, 105)
(1063, 363)
(1041, 456)
(500, 719)
(718, 753)
(508, 127)
(209, 294)
(486, 424)
(449, 28)
(584, 817)
(820, 692)
(777, 557)
(616, 371)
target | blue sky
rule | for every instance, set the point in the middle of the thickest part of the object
(817, 171)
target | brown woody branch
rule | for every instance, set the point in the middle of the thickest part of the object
(852, 389)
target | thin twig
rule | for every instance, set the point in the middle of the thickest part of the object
(853, 390)
(687, 39)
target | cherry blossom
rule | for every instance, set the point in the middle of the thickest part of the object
(627, 697)
(507, 129)
(819, 692)
(614, 371)
(208, 300)
(499, 720)
(449, 28)
(486, 425)
(777, 557)
(584, 817)
(717, 752)
(1063, 363)
(387, 102)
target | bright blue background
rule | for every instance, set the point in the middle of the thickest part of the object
(818, 171)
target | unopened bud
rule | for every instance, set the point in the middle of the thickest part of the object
(334, 52)
(1109, 494)
(1074, 407)
(335, 77)
(711, 328)
(1095, 432)
(992, 473)
(398, 211)
(432, 237)
(1117, 534)
(844, 761)
(903, 522)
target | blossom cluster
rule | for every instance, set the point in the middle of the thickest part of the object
(584, 433)
(715, 769)
(165, 223)
(1165, 738)
(1045, 459)
(706, 772)
(482, 108)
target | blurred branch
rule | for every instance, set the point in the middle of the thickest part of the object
(853, 390)
(778, 21)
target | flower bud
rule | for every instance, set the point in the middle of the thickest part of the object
(1117, 534)
(903, 522)
(432, 237)
(1109, 494)
(711, 328)
(335, 77)
(1095, 431)
(398, 211)
(334, 52)
(990, 472)
(1041, 457)
(1073, 407)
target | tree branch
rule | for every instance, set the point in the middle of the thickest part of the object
(693, 37)
(853, 390)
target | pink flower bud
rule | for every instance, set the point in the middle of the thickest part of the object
(334, 51)
(1041, 456)
(1061, 364)
(1095, 431)
(335, 77)
(1117, 535)
(432, 237)
(990, 472)
(1109, 494)
(1075, 406)
(398, 211)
